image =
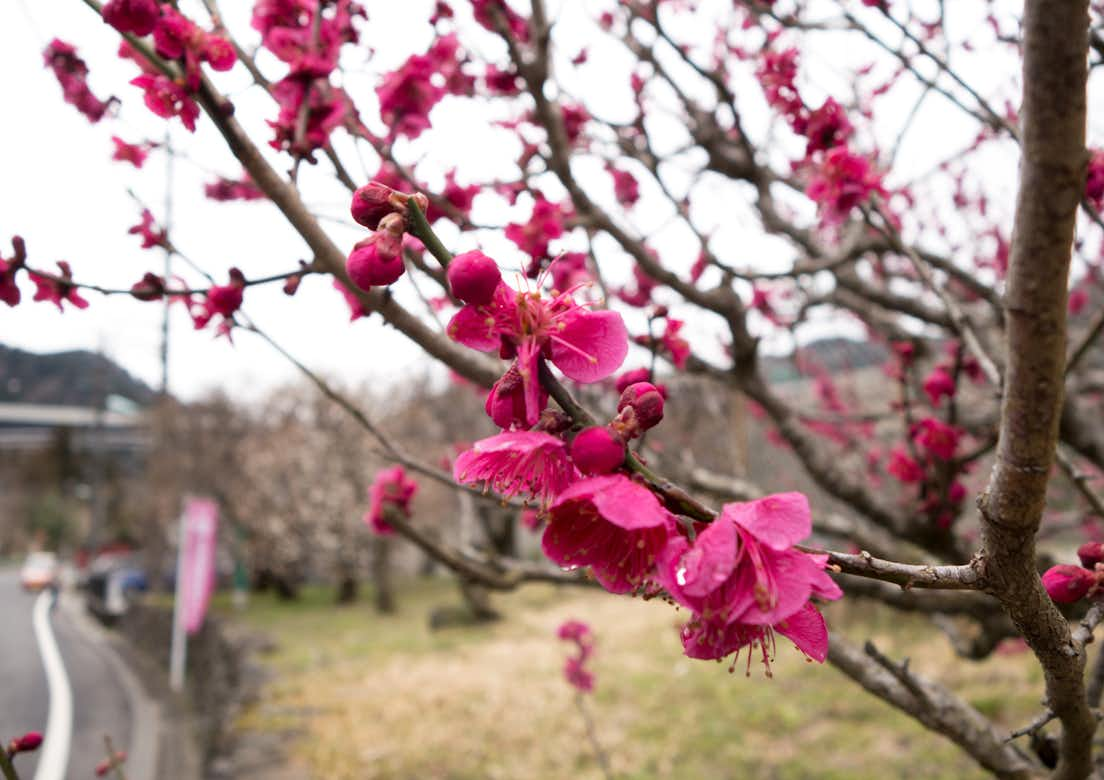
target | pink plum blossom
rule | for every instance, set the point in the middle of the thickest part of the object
(575, 671)
(72, 74)
(939, 384)
(391, 489)
(135, 154)
(132, 16)
(936, 437)
(612, 524)
(58, 288)
(224, 190)
(517, 462)
(167, 99)
(841, 182)
(902, 466)
(585, 345)
(742, 579)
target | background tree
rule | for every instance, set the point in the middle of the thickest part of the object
(682, 161)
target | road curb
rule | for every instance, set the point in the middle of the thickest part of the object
(142, 747)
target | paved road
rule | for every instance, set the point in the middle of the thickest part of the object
(100, 703)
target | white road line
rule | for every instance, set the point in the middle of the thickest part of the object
(145, 735)
(53, 762)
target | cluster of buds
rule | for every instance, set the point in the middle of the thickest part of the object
(1066, 583)
(376, 261)
(639, 409)
(601, 449)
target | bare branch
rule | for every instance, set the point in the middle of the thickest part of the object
(932, 705)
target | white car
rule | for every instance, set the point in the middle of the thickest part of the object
(39, 571)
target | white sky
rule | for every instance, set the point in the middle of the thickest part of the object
(60, 190)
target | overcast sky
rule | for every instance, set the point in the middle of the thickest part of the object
(60, 190)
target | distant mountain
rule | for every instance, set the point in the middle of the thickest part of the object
(77, 378)
(833, 355)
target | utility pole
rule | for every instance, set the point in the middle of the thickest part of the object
(169, 165)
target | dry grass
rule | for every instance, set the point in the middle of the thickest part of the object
(371, 697)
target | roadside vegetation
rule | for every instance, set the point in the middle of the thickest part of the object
(360, 695)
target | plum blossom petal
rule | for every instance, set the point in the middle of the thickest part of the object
(779, 521)
(591, 346)
(808, 631)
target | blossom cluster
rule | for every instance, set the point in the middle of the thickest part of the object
(838, 178)
(307, 35)
(176, 38)
(739, 576)
(575, 671)
(376, 261)
(72, 73)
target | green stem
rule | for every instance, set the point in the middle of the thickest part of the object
(6, 765)
(420, 229)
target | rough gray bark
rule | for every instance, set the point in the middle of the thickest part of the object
(1052, 175)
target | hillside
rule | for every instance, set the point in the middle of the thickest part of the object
(75, 378)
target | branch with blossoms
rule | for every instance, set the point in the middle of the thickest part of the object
(854, 239)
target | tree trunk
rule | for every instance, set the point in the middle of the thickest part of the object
(381, 574)
(347, 589)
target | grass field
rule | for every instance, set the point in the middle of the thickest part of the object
(362, 696)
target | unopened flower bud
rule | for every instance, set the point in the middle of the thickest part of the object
(25, 744)
(368, 267)
(597, 450)
(150, 287)
(646, 402)
(371, 203)
(473, 277)
(1066, 584)
(1091, 553)
(506, 401)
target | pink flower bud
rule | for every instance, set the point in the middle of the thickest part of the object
(371, 203)
(597, 451)
(1091, 553)
(25, 744)
(646, 402)
(635, 375)
(150, 287)
(473, 277)
(506, 401)
(368, 267)
(133, 16)
(938, 384)
(1066, 584)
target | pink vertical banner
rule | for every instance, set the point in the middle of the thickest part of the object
(196, 577)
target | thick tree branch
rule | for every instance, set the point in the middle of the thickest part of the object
(1052, 175)
(932, 705)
